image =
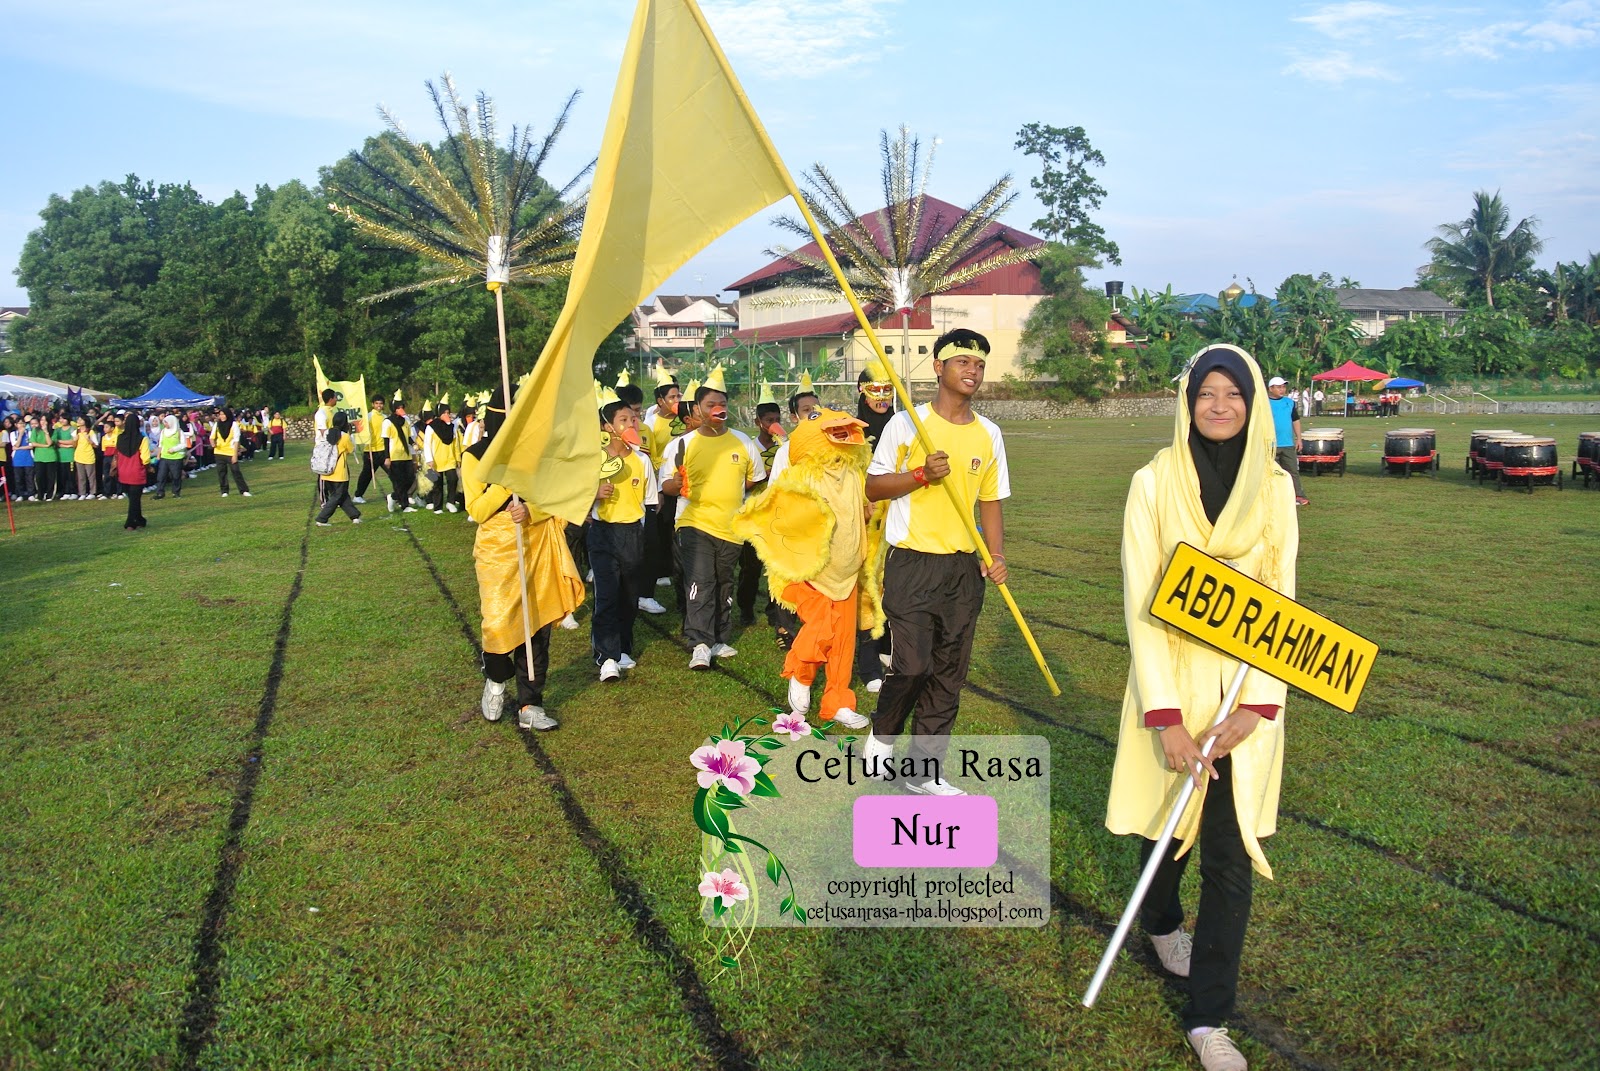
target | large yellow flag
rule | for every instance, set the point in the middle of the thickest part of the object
(352, 400)
(684, 159)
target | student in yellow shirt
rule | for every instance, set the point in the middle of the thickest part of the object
(711, 469)
(85, 459)
(663, 424)
(933, 578)
(225, 438)
(375, 454)
(399, 465)
(336, 485)
(616, 539)
(441, 450)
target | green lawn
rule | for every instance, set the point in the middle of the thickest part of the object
(239, 743)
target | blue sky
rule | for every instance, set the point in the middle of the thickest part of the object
(1253, 139)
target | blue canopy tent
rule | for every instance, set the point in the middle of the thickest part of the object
(169, 393)
(1399, 383)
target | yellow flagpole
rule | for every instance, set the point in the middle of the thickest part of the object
(962, 511)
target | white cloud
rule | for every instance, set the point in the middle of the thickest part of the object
(1336, 68)
(801, 38)
(1354, 19)
(1486, 42)
(1551, 35)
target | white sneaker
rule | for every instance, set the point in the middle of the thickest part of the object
(885, 660)
(409, 509)
(701, 658)
(391, 503)
(935, 786)
(224, 494)
(494, 700)
(610, 670)
(626, 661)
(875, 686)
(535, 718)
(799, 696)
(569, 622)
(100, 498)
(850, 719)
(1174, 950)
(68, 498)
(354, 520)
(246, 494)
(1217, 1051)
(875, 754)
(663, 581)
(324, 524)
(589, 577)
(651, 606)
(451, 506)
(722, 650)
(358, 500)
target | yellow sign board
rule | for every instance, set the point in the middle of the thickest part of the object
(1245, 619)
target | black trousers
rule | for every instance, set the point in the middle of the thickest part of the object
(44, 478)
(275, 447)
(668, 560)
(225, 465)
(708, 586)
(371, 461)
(23, 487)
(336, 495)
(749, 581)
(869, 667)
(502, 666)
(615, 551)
(169, 471)
(445, 489)
(1224, 912)
(135, 493)
(403, 476)
(932, 602)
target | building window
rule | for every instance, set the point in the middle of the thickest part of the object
(689, 332)
(660, 332)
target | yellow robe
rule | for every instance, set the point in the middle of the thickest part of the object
(555, 588)
(1258, 534)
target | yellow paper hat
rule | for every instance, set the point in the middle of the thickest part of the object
(397, 397)
(805, 383)
(766, 395)
(876, 371)
(444, 401)
(599, 392)
(607, 396)
(623, 379)
(715, 380)
(694, 385)
(663, 377)
(427, 406)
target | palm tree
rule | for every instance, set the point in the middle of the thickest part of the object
(907, 255)
(1484, 248)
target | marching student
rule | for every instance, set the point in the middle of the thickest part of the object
(133, 459)
(398, 464)
(440, 451)
(802, 403)
(711, 469)
(874, 408)
(336, 484)
(172, 449)
(769, 436)
(933, 578)
(555, 588)
(1216, 487)
(375, 453)
(225, 436)
(663, 422)
(616, 539)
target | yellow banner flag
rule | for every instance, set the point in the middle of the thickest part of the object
(684, 159)
(352, 400)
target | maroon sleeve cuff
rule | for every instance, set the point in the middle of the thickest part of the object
(1160, 719)
(1266, 710)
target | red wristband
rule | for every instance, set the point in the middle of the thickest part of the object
(918, 475)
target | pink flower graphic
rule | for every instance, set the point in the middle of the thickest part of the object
(793, 724)
(726, 762)
(726, 885)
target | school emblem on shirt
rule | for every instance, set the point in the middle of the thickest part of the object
(977, 462)
(734, 457)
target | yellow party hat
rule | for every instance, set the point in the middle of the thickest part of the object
(398, 399)
(623, 379)
(766, 395)
(694, 385)
(444, 401)
(715, 380)
(607, 396)
(805, 383)
(663, 377)
(876, 371)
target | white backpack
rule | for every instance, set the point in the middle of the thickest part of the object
(324, 456)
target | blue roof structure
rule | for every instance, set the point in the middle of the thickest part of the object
(169, 393)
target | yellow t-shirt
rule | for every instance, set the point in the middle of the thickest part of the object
(397, 441)
(341, 470)
(444, 454)
(225, 446)
(924, 519)
(717, 469)
(632, 489)
(660, 429)
(375, 421)
(83, 452)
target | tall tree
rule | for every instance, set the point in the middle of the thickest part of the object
(1064, 338)
(1312, 320)
(1066, 188)
(1484, 249)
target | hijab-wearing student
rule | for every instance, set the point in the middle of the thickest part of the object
(225, 438)
(172, 447)
(399, 465)
(441, 450)
(336, 485)
(1217, 488)
(133, 458)
(85, 460)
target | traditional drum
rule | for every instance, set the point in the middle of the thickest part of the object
(1587, 463)
(1322, 448)
(1529, 460)
(1479, 441)
(1494, 454)
(1408, 448)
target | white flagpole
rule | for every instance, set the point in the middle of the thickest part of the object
(1137, 899)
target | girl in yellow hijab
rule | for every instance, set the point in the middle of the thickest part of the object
(1217, 488)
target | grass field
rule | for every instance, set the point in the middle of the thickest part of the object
(250, 817)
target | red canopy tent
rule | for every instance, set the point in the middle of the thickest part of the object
(1349, 372)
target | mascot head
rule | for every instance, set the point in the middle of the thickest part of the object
(829, 438)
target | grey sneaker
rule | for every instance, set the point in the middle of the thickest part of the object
(701, 658)
(1173, 949)
(722, 650)
(1217, 1051)
(494, 700)
(651, 606)
(934, 786)
(625, 661)
(610, 670)
(535, 718)
(850, 719)
(875, 685)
